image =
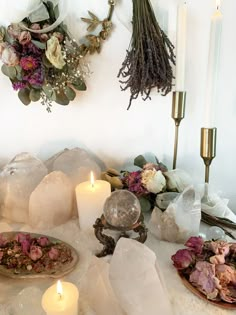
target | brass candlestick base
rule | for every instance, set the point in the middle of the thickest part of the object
(178, 112)
(208, 148)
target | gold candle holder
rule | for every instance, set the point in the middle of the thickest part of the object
(178, 112)
(208, 148)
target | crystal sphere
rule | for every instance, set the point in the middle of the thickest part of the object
(215, 233)
(122, 209)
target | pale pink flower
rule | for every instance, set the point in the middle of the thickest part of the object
(43, 241)
(9, 56)
(195, 243)
(35, 252)
(24, 38)
(183, 259)
(53, 253)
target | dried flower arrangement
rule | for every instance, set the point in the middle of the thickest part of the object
(26, 254)
(47, 64)
(148, 181)
(149, 57)
(210, 267)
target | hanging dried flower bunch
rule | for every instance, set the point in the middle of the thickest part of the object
(149, 57)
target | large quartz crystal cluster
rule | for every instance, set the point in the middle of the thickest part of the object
(42, 194)
(122, 209)
(17, 181)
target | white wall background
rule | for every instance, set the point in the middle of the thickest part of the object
(98, 120)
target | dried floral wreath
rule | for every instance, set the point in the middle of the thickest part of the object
(44, 62)
(149, 57)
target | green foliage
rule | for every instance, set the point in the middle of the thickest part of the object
(35, 95)
(70, 93)
(10, 72)
(62, 99)
(145, 204)
(79, 85)
(38, 44)
(24, 96)
(140, 161)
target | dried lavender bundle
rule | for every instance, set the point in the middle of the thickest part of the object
(149, 57)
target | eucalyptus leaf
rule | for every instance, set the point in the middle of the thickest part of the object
(39, 44)
(46, 62)
(48, 90)
(70, 93)
(34, 95)
(79, 85)
(145, 204)
(56, 11)
(24, 96)
(10, 72)
(140, 161)
(62, 99)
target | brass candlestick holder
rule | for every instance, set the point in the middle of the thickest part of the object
(208, 148)
(178, 112)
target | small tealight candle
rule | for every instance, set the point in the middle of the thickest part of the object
(91, 196)
(61, 299)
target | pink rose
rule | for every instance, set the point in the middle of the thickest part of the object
(14, 30)
(35, 27)
(35, 252)
(3, 240)
(59, 36)
(9, 56)
(43, 38)
(20, 237)
(24, 38)
(219, 247)
(43, 241)
(195, 243)
(183, 259)
(53, 253)
(25, 246)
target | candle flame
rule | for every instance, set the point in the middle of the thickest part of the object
(217, 4)
(59, 289)
(92, 179)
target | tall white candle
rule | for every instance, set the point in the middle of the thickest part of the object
(181, 47)
(213, 65)
(61, 299)
(91, 197)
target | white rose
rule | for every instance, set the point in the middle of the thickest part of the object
(54, 53)
(153, 180)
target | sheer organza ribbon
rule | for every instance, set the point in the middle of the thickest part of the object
(39, 13)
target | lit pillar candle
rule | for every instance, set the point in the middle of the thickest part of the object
(91, 196)
(213, 65)
(181, 47)
(61, 299)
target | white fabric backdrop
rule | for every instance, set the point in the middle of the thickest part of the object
(98, 120)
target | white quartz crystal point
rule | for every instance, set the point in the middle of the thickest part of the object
(51, 202)
(136, 280)
(177, 180)
(76, 163)
(17, 181)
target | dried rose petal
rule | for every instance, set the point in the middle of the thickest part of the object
(20, 237)
(203, 277)
(25, 246)
(195, 243)
(53, 253)
(219, 247)
(183, 259)
(35, 252)
(3, 240)
(43, 241)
